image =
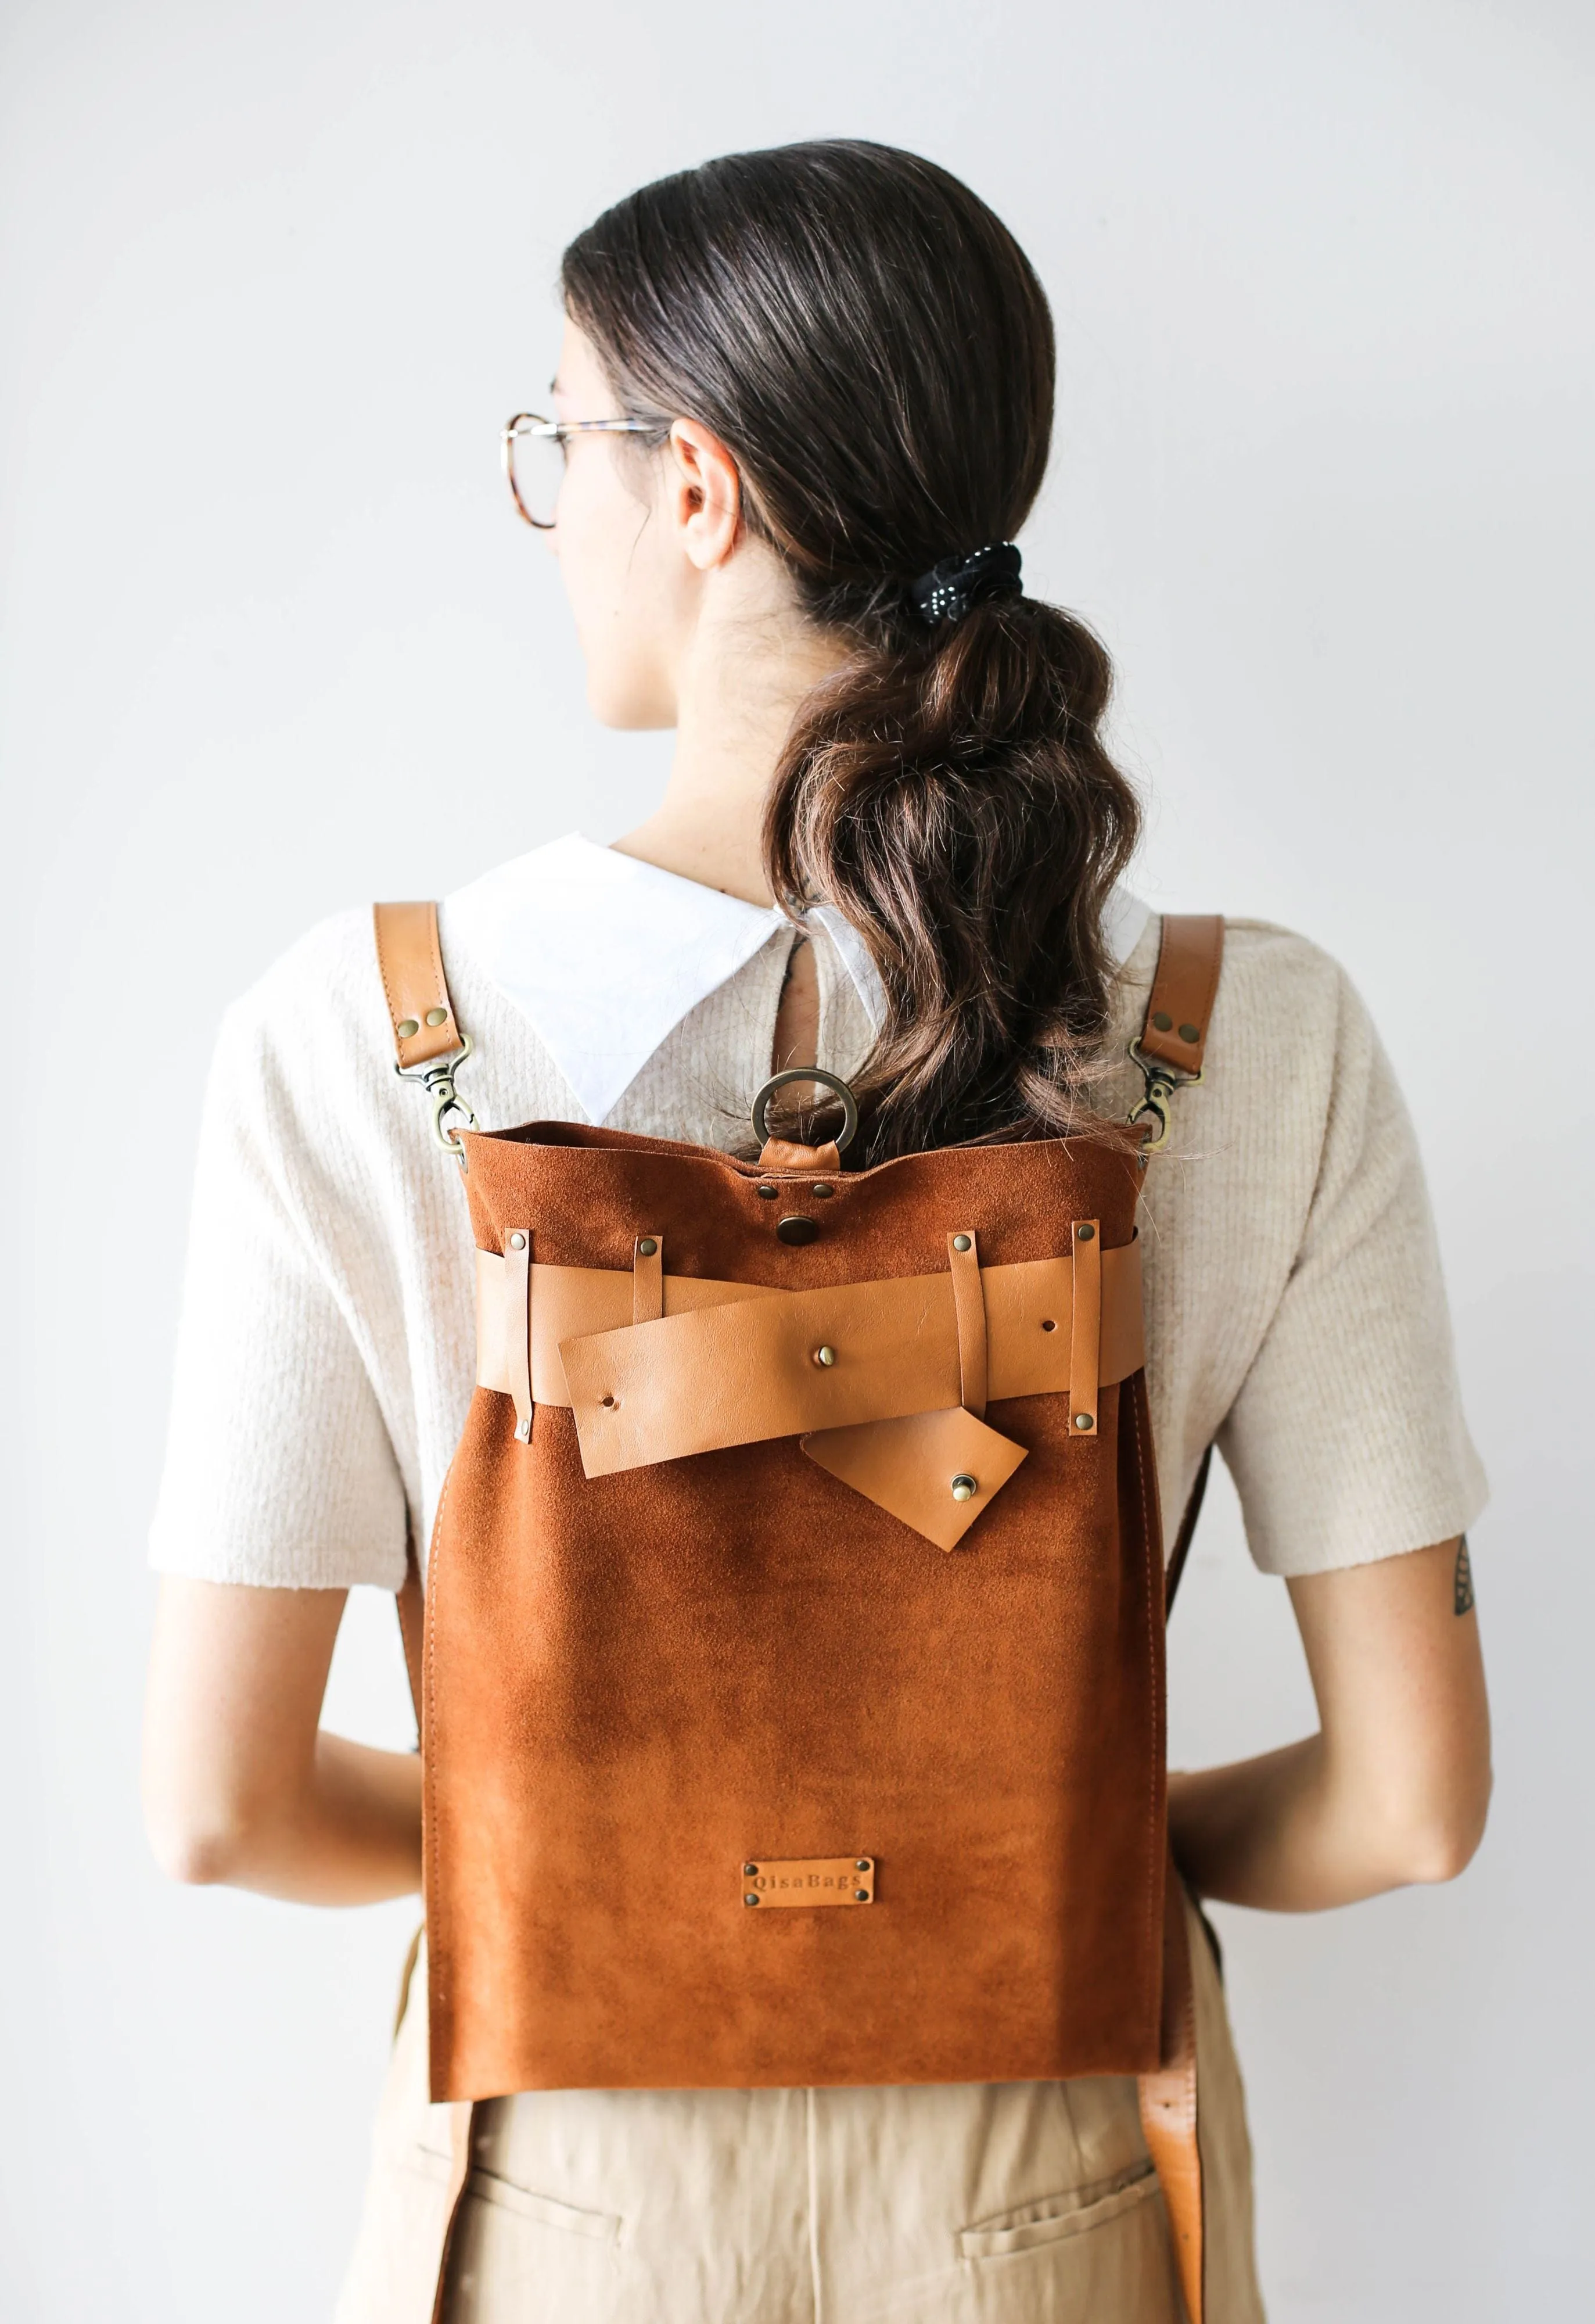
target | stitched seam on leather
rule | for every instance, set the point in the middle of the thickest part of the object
(381, 962)
(429, 1756)
(1154, 1944)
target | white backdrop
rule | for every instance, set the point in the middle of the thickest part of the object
(273, 274)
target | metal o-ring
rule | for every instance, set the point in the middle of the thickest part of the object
(832, 1082)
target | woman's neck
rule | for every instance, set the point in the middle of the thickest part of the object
(742, 674)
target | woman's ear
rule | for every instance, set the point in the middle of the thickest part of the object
(704, 493)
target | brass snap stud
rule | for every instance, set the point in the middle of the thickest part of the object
(965, 1487)
(646, 1247)
(961, 1243)
(407, 1028)
(1085, 1233)
(435, 1016)
(1085, 1420)
(796, 1228)
(826, 1356)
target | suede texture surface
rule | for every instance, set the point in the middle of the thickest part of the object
(636, 1683)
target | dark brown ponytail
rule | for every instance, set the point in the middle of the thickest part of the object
(873, 346)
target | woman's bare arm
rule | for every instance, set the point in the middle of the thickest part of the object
(1394, 1786)
(240, 1784)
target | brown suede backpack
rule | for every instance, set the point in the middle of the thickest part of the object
(790, 1677)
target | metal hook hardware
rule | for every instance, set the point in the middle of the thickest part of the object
(1162, 1082)
(437, 1080)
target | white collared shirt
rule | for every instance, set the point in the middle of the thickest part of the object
(605, 954)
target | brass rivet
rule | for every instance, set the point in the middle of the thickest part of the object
(862, 1863)
(609, 1402)
(1085, 1420)
(646, 1247)
(861, 1895)
(1085, 1233)
(436, 1016)
(769, 1192)
(961, 1243)
(1164, 1021)
(749, 1871)
(1049, 1324)
(751, 1898)
(822, 1193)
(1189, 1032)
(798, 1229)
(407, 1028)
(826, 1356)
(964, 1487)
(517, 1241)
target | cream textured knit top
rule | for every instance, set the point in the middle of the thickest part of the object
(327, 1352)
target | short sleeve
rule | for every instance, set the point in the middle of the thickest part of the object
(279, 1469)
(1347, 1441)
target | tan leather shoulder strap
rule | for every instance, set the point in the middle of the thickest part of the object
(1179, 1008)
(410, 959)
(1172, 1041)
(428, 1045)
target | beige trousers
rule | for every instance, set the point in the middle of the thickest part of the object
(989, 2203)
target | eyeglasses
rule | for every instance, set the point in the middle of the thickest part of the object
(534, 456)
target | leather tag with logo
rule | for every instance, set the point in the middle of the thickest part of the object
(808, 1880)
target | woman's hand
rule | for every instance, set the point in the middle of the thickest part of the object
(1394, 1786)
(240, 1784)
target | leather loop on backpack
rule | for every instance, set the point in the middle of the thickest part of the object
(969, 1302)
(1085, 1330)
(648, 1279)
(517, 1316)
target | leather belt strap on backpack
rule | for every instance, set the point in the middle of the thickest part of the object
(1170, 1051)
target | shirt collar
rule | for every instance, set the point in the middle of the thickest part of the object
(606, 955)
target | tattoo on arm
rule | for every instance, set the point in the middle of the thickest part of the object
(1463, 1602)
